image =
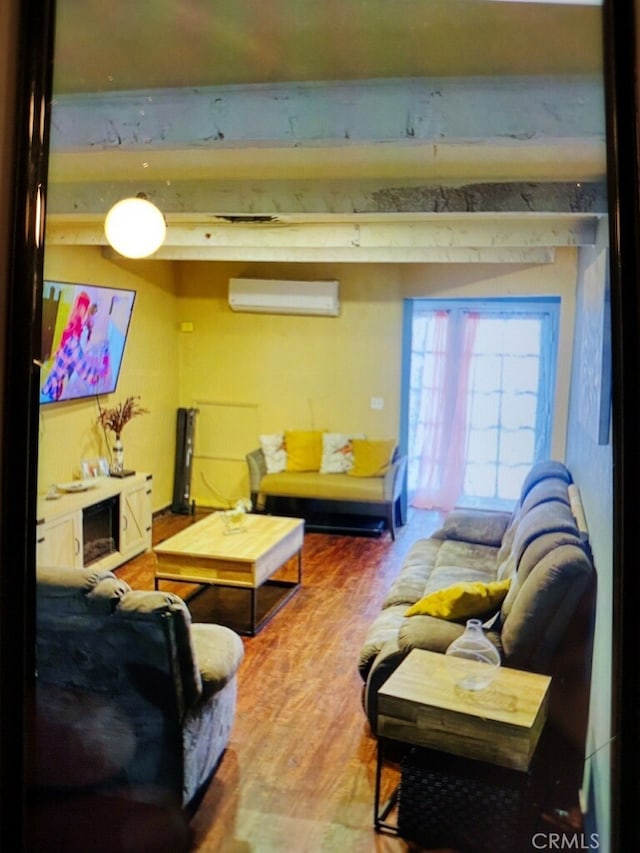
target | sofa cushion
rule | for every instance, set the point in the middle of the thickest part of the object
(337, 487)
(547, 517)
(409, 585)
(273, 450)
(371, 458)
(543, 471)
(548, 489)
(461, 561)
(543, 605)
(434, 564)
(337, 452)
(429, 632)
(551, 489)
(537, 548)
(304, 449)
(462, 600)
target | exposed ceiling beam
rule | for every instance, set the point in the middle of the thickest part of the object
(453, 109)
(401, 231)
(434, 238)
(378, 255)
(281, 199)
(321, 172)
(411, 129)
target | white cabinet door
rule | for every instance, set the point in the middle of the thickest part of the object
(59, 542)
(135, 519)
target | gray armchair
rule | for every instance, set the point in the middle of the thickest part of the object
(130, 694)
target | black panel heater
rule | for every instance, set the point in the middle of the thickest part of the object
(185, 434)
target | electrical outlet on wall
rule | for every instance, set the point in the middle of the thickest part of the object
(377, 403)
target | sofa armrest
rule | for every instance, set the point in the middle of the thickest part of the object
(394, 479)
(481, 527)
(387, 661)
(218, 652)
(257, 469)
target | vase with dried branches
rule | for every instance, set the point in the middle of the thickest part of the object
(115, 419)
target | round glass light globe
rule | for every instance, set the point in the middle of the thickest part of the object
(135, 227)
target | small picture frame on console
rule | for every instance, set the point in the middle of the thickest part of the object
(98, 467)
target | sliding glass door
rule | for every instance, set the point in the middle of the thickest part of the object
(479, 379)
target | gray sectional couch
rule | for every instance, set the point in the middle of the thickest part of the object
(545, 622)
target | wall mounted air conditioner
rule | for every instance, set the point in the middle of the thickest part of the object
(275, 296)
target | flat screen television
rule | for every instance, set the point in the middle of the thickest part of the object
(84, 333)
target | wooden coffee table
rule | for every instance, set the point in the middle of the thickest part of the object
(206, 554)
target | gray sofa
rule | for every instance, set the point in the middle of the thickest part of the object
(130, 694)
(545, 622)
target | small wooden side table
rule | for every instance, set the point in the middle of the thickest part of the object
(486, 737)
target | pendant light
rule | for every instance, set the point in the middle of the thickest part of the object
(135, 227)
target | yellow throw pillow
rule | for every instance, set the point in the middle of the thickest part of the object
(462, 600)
(371, 458)
(304, 449)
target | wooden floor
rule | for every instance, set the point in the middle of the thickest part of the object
(299, 771)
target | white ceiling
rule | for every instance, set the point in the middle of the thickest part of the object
(104, 59)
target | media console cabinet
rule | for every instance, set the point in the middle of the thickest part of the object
(104, 525)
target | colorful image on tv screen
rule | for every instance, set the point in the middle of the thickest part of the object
(84, 331)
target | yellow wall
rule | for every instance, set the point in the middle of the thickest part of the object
(68, 431)
(253, 373)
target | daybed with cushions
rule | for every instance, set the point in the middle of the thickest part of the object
(325, 471)
(130, 694)
(535, 594)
